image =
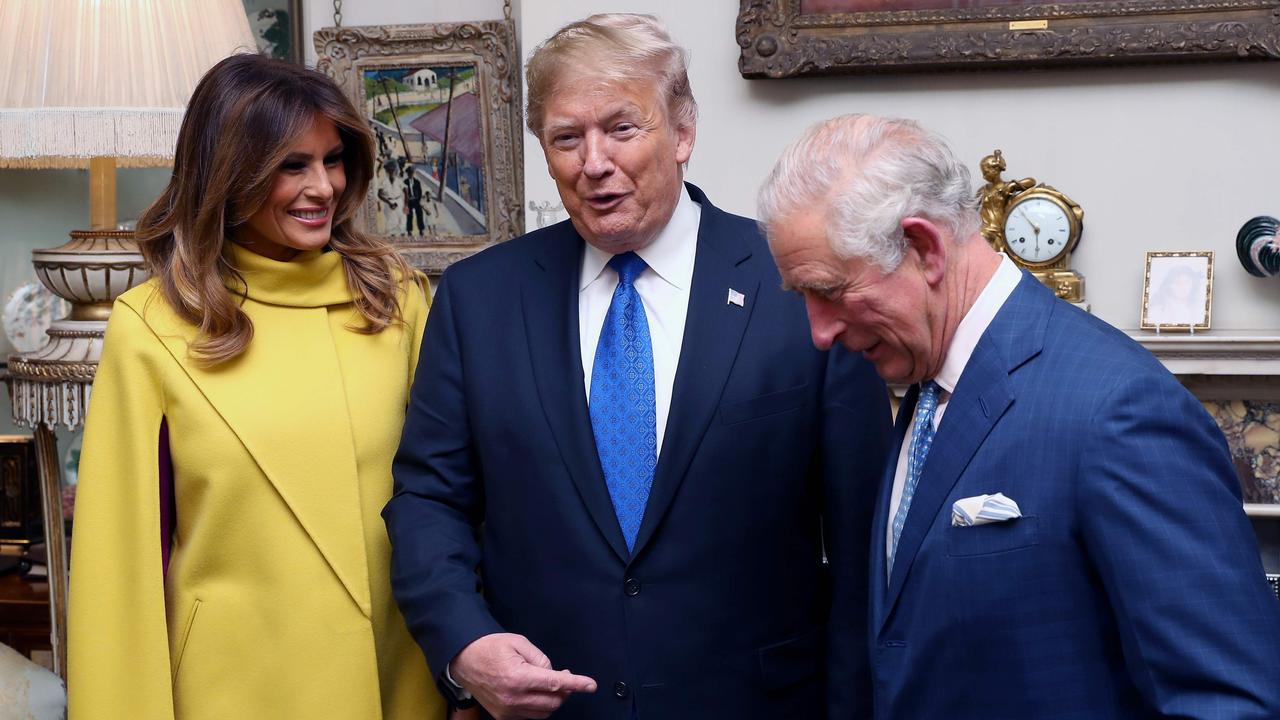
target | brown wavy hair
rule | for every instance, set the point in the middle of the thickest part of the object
(243, 116)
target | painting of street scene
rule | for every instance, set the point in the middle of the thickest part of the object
(430, 178)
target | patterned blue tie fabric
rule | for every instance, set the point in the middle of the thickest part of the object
(624, 412)
(921, 441)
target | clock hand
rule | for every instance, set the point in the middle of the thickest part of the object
(1033, 224)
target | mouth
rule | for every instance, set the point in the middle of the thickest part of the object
(311, 216)
(868, 352)
(605, 201)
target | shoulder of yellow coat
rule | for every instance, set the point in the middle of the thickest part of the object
(415, 297)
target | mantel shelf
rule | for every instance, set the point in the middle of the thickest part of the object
(1214, 352)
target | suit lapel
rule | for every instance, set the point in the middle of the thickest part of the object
(550, 307)
(713, 333)
(318, 481)
(981, 398)
(880, 525)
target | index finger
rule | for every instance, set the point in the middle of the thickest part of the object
(557, 681)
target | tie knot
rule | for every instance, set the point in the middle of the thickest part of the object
(628, 265)
(929, 396)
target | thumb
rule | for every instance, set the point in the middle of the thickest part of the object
(530, 652)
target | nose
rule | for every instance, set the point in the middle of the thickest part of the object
(597, 161)
(319, 186)
(824, 323)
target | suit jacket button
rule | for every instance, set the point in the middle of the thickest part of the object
(621, 690)
(632, 587)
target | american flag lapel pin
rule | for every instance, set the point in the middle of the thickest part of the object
(736, 298)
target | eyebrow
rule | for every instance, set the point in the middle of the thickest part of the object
(336, 149)
(814, 285)
(558, 126)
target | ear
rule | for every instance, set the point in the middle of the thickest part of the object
(685, 135)
(928, 243)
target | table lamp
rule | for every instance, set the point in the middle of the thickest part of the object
(93, 84)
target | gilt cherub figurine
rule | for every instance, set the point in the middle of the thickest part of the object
(994, 196)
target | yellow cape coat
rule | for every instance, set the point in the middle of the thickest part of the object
(277, 602)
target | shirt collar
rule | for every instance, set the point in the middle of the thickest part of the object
(670, 255)
(976, 321)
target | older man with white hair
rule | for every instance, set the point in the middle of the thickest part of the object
(620, 423)
(1061, 534)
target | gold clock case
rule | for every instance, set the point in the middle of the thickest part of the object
(1075, 216)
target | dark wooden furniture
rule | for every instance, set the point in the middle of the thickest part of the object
(24, 617)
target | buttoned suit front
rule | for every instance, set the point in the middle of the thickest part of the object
(1131, 586)
(724, 608)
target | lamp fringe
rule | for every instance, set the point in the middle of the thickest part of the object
(67, 137)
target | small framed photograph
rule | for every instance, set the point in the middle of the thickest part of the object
(1177, 291)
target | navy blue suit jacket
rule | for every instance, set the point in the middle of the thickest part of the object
(1130, 588)
(772, 448)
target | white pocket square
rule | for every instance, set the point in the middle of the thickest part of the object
(983, 509)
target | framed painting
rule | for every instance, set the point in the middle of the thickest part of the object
(444, 104)
(277, 26)
(787, 38)
(1177, 291)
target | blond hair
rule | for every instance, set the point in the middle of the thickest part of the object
(617, 47)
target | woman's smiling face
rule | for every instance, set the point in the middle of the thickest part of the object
(298, 214)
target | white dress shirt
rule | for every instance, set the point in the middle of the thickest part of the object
(968, 333)
(664, 291)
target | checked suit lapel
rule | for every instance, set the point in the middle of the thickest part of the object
(550, 306)
(983, 395)
(978, 403)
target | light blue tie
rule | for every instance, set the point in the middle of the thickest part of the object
(921, 441)
(623, 407)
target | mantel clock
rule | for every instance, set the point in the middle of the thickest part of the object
(1037, 226)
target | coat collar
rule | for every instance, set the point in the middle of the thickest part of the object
(264, 390)
(312, 279)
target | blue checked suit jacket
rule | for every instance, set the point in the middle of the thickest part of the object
(772, 449)
(1130, 588)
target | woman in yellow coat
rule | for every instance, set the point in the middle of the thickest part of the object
(229, 560)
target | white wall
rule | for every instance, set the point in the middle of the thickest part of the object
(1160, 157)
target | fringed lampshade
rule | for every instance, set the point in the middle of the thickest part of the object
(106, 78)
(93, 83)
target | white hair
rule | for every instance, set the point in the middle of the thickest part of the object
(869, 173)
(617, 48)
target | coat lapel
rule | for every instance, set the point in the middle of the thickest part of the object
(550, 306)
(981, 398)
(318, 481)
(713, 333)
(880, 524)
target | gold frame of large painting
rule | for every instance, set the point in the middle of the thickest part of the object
(788, 38)
(444, 103)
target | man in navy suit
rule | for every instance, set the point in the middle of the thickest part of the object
(620, 424)
(1061, 532)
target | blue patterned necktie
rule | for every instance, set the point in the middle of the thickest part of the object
(921, 441)
(623, 406)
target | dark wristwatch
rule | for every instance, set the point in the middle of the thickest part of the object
(458, 696)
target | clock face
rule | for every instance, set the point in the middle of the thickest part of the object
(1037, 230)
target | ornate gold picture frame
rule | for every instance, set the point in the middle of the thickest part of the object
(1177, 291)
(787, 38)
(444, 104)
